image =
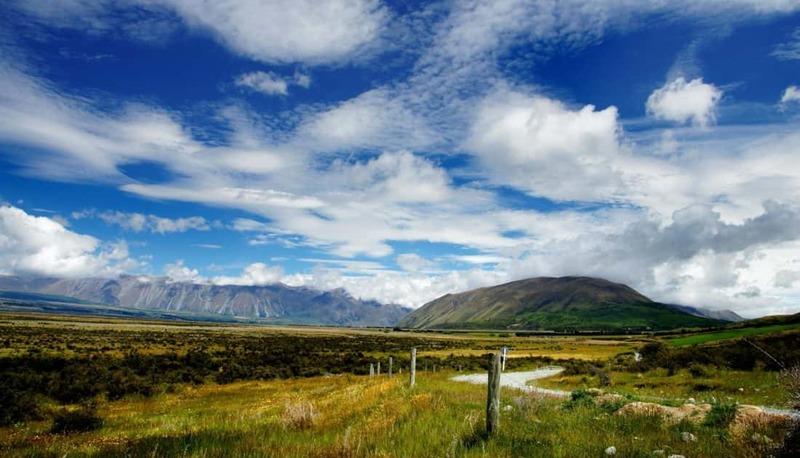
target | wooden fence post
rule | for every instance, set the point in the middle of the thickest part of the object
(413, 368)
(379, 368)
(390, 366)
(371, 370)
(493, 396)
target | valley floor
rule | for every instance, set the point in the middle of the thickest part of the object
(199, 403)
(362, 416)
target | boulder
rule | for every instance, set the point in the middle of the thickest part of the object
(692, 412)
(753, 418)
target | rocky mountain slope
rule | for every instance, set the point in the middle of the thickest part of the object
(275, 303)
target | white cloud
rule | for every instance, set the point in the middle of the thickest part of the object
(138, 222)
(271, 83)
(701, 184)
(179, 273)
(289, 30)
(266, 82)
(256, 274)
(789, 50)
(412, 262)
(791, 94)
(41, 246)
(540, 145)
(392, 287)
(685, 101)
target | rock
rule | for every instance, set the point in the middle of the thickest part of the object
(691, 401)
(672, 415)
(659, 453)
(676, 456)
(741, 390)
(609, 399)
(508, 408)
(749, 418)
(595, 392)
(686, 436)
(610, 451)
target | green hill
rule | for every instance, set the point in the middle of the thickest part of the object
(546, 303)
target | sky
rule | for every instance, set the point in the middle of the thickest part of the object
(404, 150)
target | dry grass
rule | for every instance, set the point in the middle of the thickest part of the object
(791, 380)
(299, 415)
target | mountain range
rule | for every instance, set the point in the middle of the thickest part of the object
(564, 303)
(276, 303)
(543, 303)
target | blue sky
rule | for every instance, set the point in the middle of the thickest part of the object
(406, 150)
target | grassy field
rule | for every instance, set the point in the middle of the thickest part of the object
(177, 389)
(359, 416)
(731, 334)
(746, 387)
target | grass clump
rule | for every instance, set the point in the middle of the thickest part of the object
(299, 415)
(721, 415)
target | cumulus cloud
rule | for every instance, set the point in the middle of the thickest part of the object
(350, 178)
(790, 95)
(547, 148)
(179, 273)
(256, 274)
(685, 101)
(41, 246)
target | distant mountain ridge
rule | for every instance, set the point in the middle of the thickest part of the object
(556, 303)
(276, 302)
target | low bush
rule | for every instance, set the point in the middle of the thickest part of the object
(17, 406)
(697, 371)
(721, 415)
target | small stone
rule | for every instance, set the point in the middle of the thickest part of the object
(659, 453)
(691, 401)
(741, 390)
(676, 456)
(610, 451)
(508, 408)
(688, 437)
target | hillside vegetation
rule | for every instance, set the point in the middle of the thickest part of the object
(567, 303)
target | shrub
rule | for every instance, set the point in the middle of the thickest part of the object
(721, 415)
(602, 376)
(579, 397)
(84, 418)
(17, 406)
(697, 370)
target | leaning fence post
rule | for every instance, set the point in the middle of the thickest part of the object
(371, 370)
(390, 366)
(413, 368)
(493, 396)
(379, 368)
